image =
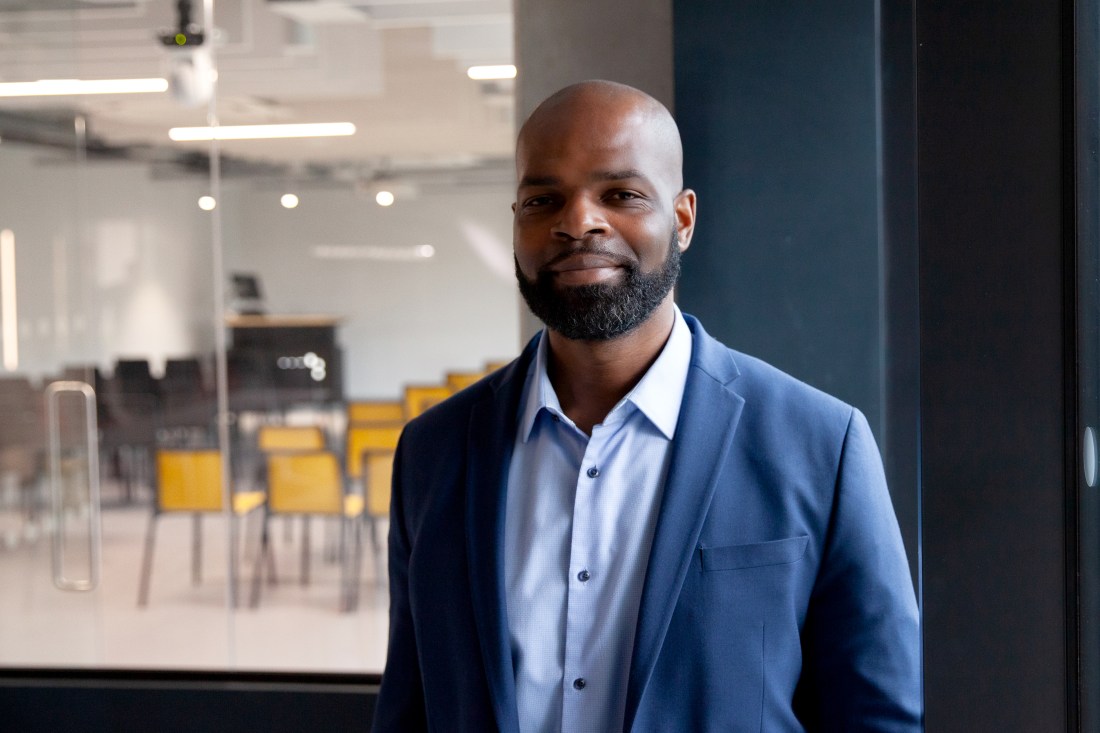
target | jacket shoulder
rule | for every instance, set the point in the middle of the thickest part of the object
(765, 387)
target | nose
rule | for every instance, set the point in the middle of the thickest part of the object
(578, 218)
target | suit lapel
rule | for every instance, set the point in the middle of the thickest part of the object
(708, 418)
(492, 433)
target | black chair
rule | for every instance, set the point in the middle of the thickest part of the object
(188, 406)
(134, 412)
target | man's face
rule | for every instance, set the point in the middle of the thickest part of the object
(595, 211)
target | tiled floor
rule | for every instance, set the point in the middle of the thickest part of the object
(185, 626)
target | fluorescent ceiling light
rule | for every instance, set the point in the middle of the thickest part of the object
(63, 87)
(8, 316)
(419, 253)
(261, 132)
(483, 73)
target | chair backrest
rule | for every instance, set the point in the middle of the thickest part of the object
(304, 483)
(461, 380)
(493, 366)
(22, 406)
(418, 398)
(377, 478)
(133, 375)
(290, 438)
(362, 438)
(362, 412)
(182, 375)
(189, 480)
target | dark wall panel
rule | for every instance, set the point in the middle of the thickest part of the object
(778, 106)
(776, 102)
(993, 238)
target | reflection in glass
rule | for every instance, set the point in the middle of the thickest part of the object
(219, 550)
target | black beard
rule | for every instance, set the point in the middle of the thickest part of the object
(601, 311)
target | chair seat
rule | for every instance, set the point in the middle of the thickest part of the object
(353, 506)
(246, 501)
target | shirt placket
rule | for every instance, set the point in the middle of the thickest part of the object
(582, 682)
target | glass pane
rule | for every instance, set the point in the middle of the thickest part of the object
(337, 284)
(1088, 344)
(107, 315)
(366, 277)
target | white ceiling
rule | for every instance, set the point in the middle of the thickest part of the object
(395, 68)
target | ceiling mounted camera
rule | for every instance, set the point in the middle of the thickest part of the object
(190, 66)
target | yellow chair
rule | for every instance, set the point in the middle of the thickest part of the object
(418, 398)
(364, 412)
(459, 381)
(370, 452)
(189, 481)
(377, 467)
(290, 437)
(369, 437)
(309, 483)
(492, 366)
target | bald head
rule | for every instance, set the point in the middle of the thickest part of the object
(606, 109)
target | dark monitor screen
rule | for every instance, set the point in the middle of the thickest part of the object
(246, 286)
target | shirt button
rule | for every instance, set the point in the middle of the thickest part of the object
(579, 683)
(593, 472)
(583, 576)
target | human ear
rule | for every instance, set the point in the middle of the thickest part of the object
(684, 208)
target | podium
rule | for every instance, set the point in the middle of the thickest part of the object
(278, 361)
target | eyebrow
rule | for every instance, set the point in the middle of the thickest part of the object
(622, 175)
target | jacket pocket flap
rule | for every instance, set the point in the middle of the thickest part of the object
(776, 552)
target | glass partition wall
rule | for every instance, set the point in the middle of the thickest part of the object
(209, 347)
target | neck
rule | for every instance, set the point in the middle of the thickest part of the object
(590, 377)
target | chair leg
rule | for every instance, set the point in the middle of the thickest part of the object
(196, 549)
(305, 549)
(332, 549)
(374, 534)
(357, 563)
(345, 596)
(147, 561)
(261, 556)
(272, 577)
(376, 551)
(234, 560)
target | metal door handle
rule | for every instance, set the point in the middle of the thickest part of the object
(53, 391)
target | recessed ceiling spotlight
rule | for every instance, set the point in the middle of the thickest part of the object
(207, 203)
(425, 250)
(384, 198)
(486, 73)
(288, 200)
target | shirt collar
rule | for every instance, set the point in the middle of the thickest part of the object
(657, 395)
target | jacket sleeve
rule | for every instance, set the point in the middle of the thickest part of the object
(861, 638)
(400, 703)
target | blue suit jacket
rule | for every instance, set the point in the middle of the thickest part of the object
(777, 595)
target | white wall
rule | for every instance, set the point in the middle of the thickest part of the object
(137, 281)
(405, 321)
(109, 263)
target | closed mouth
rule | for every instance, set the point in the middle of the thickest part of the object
(582, 261)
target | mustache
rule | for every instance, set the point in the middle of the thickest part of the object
(615, 257)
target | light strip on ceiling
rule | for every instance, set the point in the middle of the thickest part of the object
(486, 73)
(9, 329)
(66, 87)
(261, 132)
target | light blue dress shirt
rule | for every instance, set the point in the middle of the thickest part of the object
(579, 525)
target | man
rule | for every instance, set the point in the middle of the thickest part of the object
(632, 527)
